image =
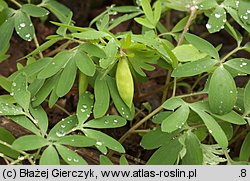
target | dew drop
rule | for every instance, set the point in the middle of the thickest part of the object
(106, 121)
(217, 15)
(69, 159)
(12, 93)
(63, 126)
(99, 143)
(14, 84)
(60, 133)
(210, 131)
(20, 158)
(22, 25)
(75, 160)
(83, 110)
(208, 26)
(27, 36)
(115, 121)
(245, 17)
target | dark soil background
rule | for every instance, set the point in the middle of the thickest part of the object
(84, 11)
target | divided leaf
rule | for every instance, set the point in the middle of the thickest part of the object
(202, 45)
(34, 10)
(176, 120)
(69, 156)
(49, 157)
(188, 53)
(214, 128)
(7, 109)
(244, 151)
(103, 139)
(194, 68)
(29, 142)
(194, 154)
(66, 79)
(25, 123)
(6, 30)
(247, 99)
(55, 65)
(76, 141)
(8, 138)
(112, 121)
(62, 127)
(84, 63)
(20, 91)
(84, 107)
(239, 64)
(156, 138)
(24, 26)
(222, 92)
(41, 118)
(102, 97)
(217, 20)
(167, 154)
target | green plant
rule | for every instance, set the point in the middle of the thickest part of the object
(197, 127)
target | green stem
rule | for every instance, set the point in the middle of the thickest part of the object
(229, 159)
(60, 108)
(236, 138)
(6, 158)
(16, 3)
(192, 94)
(230, 53)
(37, 45)
(198, 80)
(26, 155)
(165, 92)
(174, 88)
(137, 125)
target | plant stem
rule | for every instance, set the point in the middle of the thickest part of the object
(230, 53)
(190, 19)
(192, 94)
(58, 49)
(37, 45)
(137, 125)
(6, 158)
(165, 92)
(229, 159)
(174, 88)
(236, 138)
(198, 80)
(16, 3)
(26, 155)
(62, 109)
(141, 131)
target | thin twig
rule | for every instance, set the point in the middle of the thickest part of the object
(190, 19)
(37, 45)
(165, 91)
(16, 3)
